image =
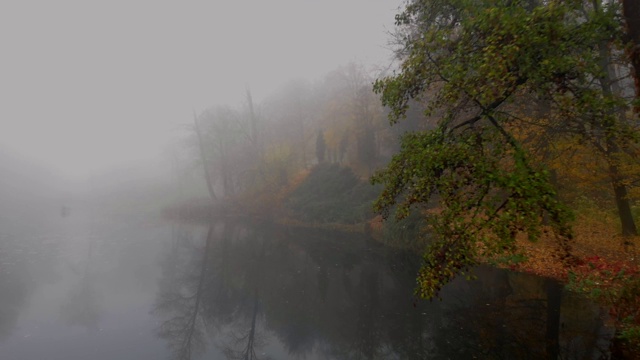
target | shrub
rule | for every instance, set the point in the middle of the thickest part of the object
(332, 193)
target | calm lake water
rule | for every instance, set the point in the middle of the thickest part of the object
(80, 287)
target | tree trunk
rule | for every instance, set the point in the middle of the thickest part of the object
(253, 122)
(256, 147)
(613, 151)
(622, 202)
(631, 12)
(203, 157)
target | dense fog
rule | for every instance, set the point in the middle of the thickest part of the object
(201, 179)
(89, 89)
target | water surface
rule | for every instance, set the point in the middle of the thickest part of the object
(84, 287)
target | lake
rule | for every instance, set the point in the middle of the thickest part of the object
(86, 287)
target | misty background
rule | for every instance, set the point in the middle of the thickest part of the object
(93, 86)
(96, 123)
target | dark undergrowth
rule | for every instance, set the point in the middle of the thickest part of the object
(333, 194)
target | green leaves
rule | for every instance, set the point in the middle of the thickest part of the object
(478, 64)
(486, 193)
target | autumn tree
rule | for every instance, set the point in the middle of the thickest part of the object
(355, 117)
(473, 63)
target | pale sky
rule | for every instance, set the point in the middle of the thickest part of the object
(92, 84)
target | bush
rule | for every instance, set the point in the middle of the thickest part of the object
(615, 285)
(332, 193)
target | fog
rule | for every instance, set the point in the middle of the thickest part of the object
(96, 135)
(88, 87)
(173, 176)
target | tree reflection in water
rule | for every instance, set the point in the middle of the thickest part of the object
(82, 306)
(15, 286)
(266, 291)
(244, 337)
(180, 295)
(241, 344)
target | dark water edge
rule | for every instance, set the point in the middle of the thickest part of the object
(92, 288)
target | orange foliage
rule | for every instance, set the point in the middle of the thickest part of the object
(579, 169)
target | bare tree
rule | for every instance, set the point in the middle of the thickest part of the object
(203, 158)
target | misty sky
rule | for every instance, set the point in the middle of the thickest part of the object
(92, 84)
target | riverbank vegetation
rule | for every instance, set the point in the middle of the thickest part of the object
(525, 95)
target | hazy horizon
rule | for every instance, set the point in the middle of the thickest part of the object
(93, 86)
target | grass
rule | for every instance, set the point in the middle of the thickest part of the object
(332, 194)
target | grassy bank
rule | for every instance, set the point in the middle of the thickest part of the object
(332, 194)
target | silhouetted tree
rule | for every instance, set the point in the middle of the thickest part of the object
(321, 147)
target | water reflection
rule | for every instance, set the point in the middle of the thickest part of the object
(258, 292)
(75, 288)
(82, 306)
(184, 271)
(25, 263)
(15, 288)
